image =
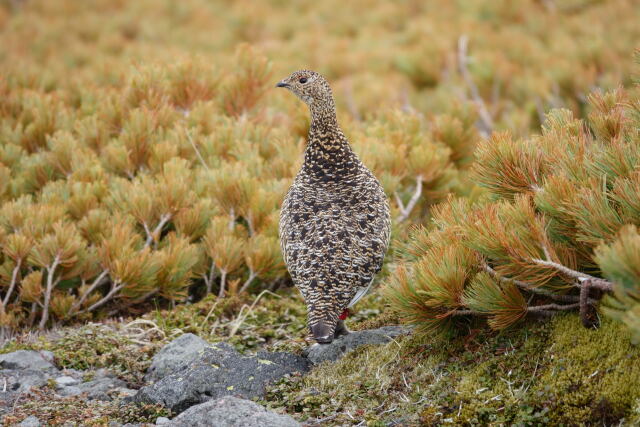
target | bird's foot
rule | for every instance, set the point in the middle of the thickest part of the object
(341, 329)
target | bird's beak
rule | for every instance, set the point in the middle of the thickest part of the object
(282, 84)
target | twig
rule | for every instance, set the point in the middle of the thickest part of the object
(97, 282)
(195, 148)
(524, 285)
(596, 282)
(245, 285)
(51, 270)
(463, 62)
(552, 307)
(14, 280)
(164, 218)
(406, 211)
(242, 316)
(588, 313)
(460, 312)
(114, 289)
(232, 218)
(208, 278)
(223, 283)
(213, 307)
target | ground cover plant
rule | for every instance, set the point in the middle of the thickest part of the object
(558, 230)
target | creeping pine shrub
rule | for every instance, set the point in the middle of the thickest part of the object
(558, 230)
(172, 180)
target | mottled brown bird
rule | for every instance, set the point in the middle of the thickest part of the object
(335, 222)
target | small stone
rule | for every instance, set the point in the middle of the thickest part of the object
(26, 359)
(318, 353)
(69, 391)
(65, 381)
(21, 381)
(31, 421)
(125, 392)
(99, 389)
(174, 356)
(103, 373)
(161, 421)
(231, 411)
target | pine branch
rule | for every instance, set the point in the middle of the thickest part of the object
(460, 312)
(223, 283)
(406, 211)
(529, 288)
(246, 284)
(596, 282)
(47, 294)
(518, 283)
(232, 219)
(483, 111)
(588, 313)
(552, 307)
(195, 148)
(114, 289)
(156, 231)
(208, 278)
(14, 281)
(97, 282)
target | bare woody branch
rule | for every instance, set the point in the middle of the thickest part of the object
(463, 62)
(51, 283)
(14, 280)
(405, 211)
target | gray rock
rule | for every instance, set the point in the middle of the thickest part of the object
(103, 373)
(318, 353)
(176, 355)
(26, 359)
(220, 371)
(161, 421)
(48, 355)
(125, 392)
(65, 381)
(100, 388)
(31, 421)
(72, 390)
(21, 381)
(231, 412)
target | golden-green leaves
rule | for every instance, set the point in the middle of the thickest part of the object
(563, 218)
(502, 302)
(508, 167)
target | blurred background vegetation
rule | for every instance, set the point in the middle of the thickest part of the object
(144, 154)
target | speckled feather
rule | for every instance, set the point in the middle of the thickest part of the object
(334, 222)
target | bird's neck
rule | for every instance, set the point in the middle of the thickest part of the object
(328, 155)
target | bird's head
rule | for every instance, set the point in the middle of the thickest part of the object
(310, 87)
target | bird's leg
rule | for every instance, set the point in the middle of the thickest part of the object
(341, 328)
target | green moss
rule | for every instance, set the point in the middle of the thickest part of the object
(540, 374)
(593, 375)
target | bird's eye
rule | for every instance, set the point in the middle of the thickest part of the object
(303, 80)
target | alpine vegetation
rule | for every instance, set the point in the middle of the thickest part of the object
(556, 233)
(335, 221)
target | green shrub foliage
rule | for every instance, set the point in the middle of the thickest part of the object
(557, 230)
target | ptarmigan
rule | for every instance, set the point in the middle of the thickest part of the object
(335, 222)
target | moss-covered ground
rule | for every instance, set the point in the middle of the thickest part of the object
(549, 372)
